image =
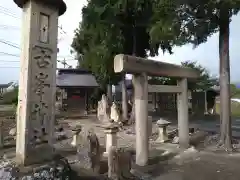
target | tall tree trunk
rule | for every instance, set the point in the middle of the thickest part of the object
(109, 93)
(132, 117)
(225, 102)
(124, 99)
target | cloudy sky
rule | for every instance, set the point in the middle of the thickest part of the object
(10, 33)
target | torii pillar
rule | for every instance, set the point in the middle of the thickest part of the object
(141, 68)
(37, 84)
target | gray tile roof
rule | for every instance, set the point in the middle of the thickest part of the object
(81, 80)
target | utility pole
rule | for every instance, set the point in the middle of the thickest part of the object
(64, 63)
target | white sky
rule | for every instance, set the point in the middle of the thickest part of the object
(10, 15)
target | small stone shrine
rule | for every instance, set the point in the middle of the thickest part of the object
(162, 130)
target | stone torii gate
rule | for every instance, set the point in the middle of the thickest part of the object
(141, 68)
(37, 84)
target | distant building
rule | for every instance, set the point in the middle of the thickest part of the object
(75, 87)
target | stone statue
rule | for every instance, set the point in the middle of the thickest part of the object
(89, 150)
(103, 109)
(119, 164)
(94, 150)
(115, 115)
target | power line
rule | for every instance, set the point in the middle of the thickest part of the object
(16, 55)
(8, 54)
(3, 26)
(8, 67)
(8, 12)
(9, 43)
(13, 67)
(9, 61)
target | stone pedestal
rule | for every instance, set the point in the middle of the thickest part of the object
(76, 136)
(162, 130)
(111, 136)
(37, 83)
(141, 115)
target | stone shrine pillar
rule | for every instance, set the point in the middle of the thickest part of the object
(183, 129)
(37, 84)
(141, 115)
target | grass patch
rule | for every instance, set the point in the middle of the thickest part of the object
(235, 108)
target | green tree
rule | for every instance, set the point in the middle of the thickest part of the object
(235, 92)
(11, 96)
(110, 27)
(193, 23)
(204, 82)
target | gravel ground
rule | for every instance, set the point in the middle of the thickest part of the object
(201, 167)
(190, 165)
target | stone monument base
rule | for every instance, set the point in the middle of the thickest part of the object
(39, 154)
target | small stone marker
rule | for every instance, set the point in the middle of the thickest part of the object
(119, 164)
(76, 136)
(162, 129)
(89, 151)
(110, 130)
(94, 150)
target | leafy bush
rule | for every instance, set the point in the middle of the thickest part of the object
(11, 96)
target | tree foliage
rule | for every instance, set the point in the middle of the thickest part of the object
(204, 82)
(195, 21)
(11, 95)
(192, 21)
(110, 27)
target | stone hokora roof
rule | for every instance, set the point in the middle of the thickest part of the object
(75, 78)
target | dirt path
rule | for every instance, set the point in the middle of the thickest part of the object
(200, 166)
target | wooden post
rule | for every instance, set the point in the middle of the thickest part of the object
(86, 102)
(205, 103)
(141, 113)
(1, 134)
(183, 129)
(154, 101)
